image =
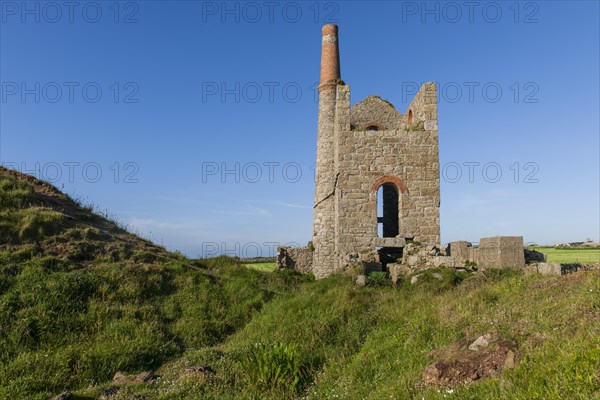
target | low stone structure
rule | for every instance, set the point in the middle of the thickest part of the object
(365, 261)
(545, 268)
(298, 258)
(459, 251)
(493, 252)
(499, 252)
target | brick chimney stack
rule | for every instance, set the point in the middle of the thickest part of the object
(330, 57)
(324, 222)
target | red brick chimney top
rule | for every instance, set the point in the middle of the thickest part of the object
(330, 57)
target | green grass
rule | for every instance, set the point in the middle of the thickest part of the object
(571, 256)
(81, 299)
(330, 339)
(264, 266)
(66, 327)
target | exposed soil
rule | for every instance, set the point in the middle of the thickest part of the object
(465, 362)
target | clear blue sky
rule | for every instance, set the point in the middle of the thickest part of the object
(190, 88)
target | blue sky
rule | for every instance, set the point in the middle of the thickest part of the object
(201, 116)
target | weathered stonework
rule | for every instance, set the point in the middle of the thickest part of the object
(500, 252)
(299, 259)
(545, 268)
(459, 250)
(361, 149)
(495, 252)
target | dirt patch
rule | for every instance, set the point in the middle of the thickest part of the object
(468, 361)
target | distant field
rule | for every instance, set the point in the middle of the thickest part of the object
(266, 266)
(571, 256)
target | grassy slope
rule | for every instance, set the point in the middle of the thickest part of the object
(81, 299)
(373, 343)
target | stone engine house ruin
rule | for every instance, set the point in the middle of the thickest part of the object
(362, 150)
(377, 189)
(368, 154)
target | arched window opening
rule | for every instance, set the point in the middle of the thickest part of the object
(410, 117)
(373, 126)
(387, 211)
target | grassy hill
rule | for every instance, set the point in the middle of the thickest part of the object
(81, 298)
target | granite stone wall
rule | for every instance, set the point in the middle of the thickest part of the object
(500, 252)
(459, 250)
(350, 174)
(298, 258)
(324, 222)
(375, 111)
(494, 252)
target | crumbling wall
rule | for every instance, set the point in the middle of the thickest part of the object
(298, 258)
(375, 111)
(366, 160)
(422, 111)
(366, 261)
(545, 268)
(494, 252)
(459, 251)
(353, 164)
